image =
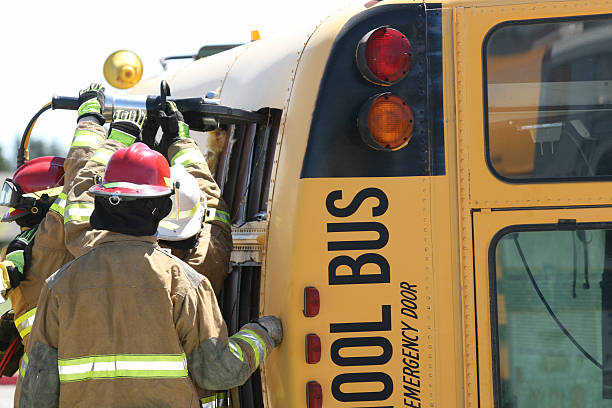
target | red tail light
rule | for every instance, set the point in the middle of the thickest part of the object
(311, 301)
(313, 349)
(384, 56)
(314, 394)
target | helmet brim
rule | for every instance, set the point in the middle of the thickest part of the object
(171, 229)
(14, 214)
(137, 191)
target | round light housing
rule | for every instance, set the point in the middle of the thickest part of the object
(123, 69)
(384, 56)
(386, 122)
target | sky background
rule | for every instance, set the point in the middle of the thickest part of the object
(59, 47)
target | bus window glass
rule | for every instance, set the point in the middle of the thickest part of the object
(551, 288)
(549, 100)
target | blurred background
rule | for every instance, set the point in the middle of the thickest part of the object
(59, 47)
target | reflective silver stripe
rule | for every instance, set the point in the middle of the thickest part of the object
(86, 138)
(218, 400)
(59, 205)
(187, 157)
(78, 212)
(102, 156)
(24, 365)
(236, 350)
(24, 322)
(253, 340)
(212, 214)
(123, 366)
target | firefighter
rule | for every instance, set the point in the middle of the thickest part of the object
(208, 251)
(48, 251)
(30, 193)
(127, 323)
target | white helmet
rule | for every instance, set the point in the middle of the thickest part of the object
(186, 217)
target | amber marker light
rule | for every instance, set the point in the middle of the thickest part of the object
(384, 56)
(386, 122)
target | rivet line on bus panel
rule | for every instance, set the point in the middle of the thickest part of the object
(465, 230)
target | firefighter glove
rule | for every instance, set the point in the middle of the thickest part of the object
(127, 126)
(149, 131)
(274, 328)
(91, 103)
(17, 260)
(173, 127)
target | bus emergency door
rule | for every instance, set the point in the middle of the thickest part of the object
(543, 299)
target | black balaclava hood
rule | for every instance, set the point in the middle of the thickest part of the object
(138, 217)
(31, 219)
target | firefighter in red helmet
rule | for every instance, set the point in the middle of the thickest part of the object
(30, 193)
(148, 328)
(46, 251)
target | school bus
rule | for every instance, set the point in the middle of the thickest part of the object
(422, 192)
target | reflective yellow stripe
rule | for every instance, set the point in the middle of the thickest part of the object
(90, 106)
(59, 205)
(257, 345)
(122, 137)
(86, 138)
(218, 400)
(259, 340)
(184, 214)
(78, 212)
(186, 157)
(183, 130)
(102, 156)
(124, 366)
(24, 322)
(24, 365)
(213, 214)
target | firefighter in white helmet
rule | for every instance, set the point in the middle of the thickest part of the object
(207, 250)
(188, 208)
(107, 323)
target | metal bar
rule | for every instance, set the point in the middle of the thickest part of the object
(221, 173)
(244, 175)
(270, 153)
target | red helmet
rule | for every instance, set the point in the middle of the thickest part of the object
(42, 175)
(135, 171)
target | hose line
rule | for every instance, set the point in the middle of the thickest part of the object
(23, 155)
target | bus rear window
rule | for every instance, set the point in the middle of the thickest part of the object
(549, 100)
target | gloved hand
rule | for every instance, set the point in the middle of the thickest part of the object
(274, 328)
(17, 260)
(91, 103)
(127, 126)
(173, 127)
(149, 131)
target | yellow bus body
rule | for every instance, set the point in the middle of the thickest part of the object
(440, 227)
